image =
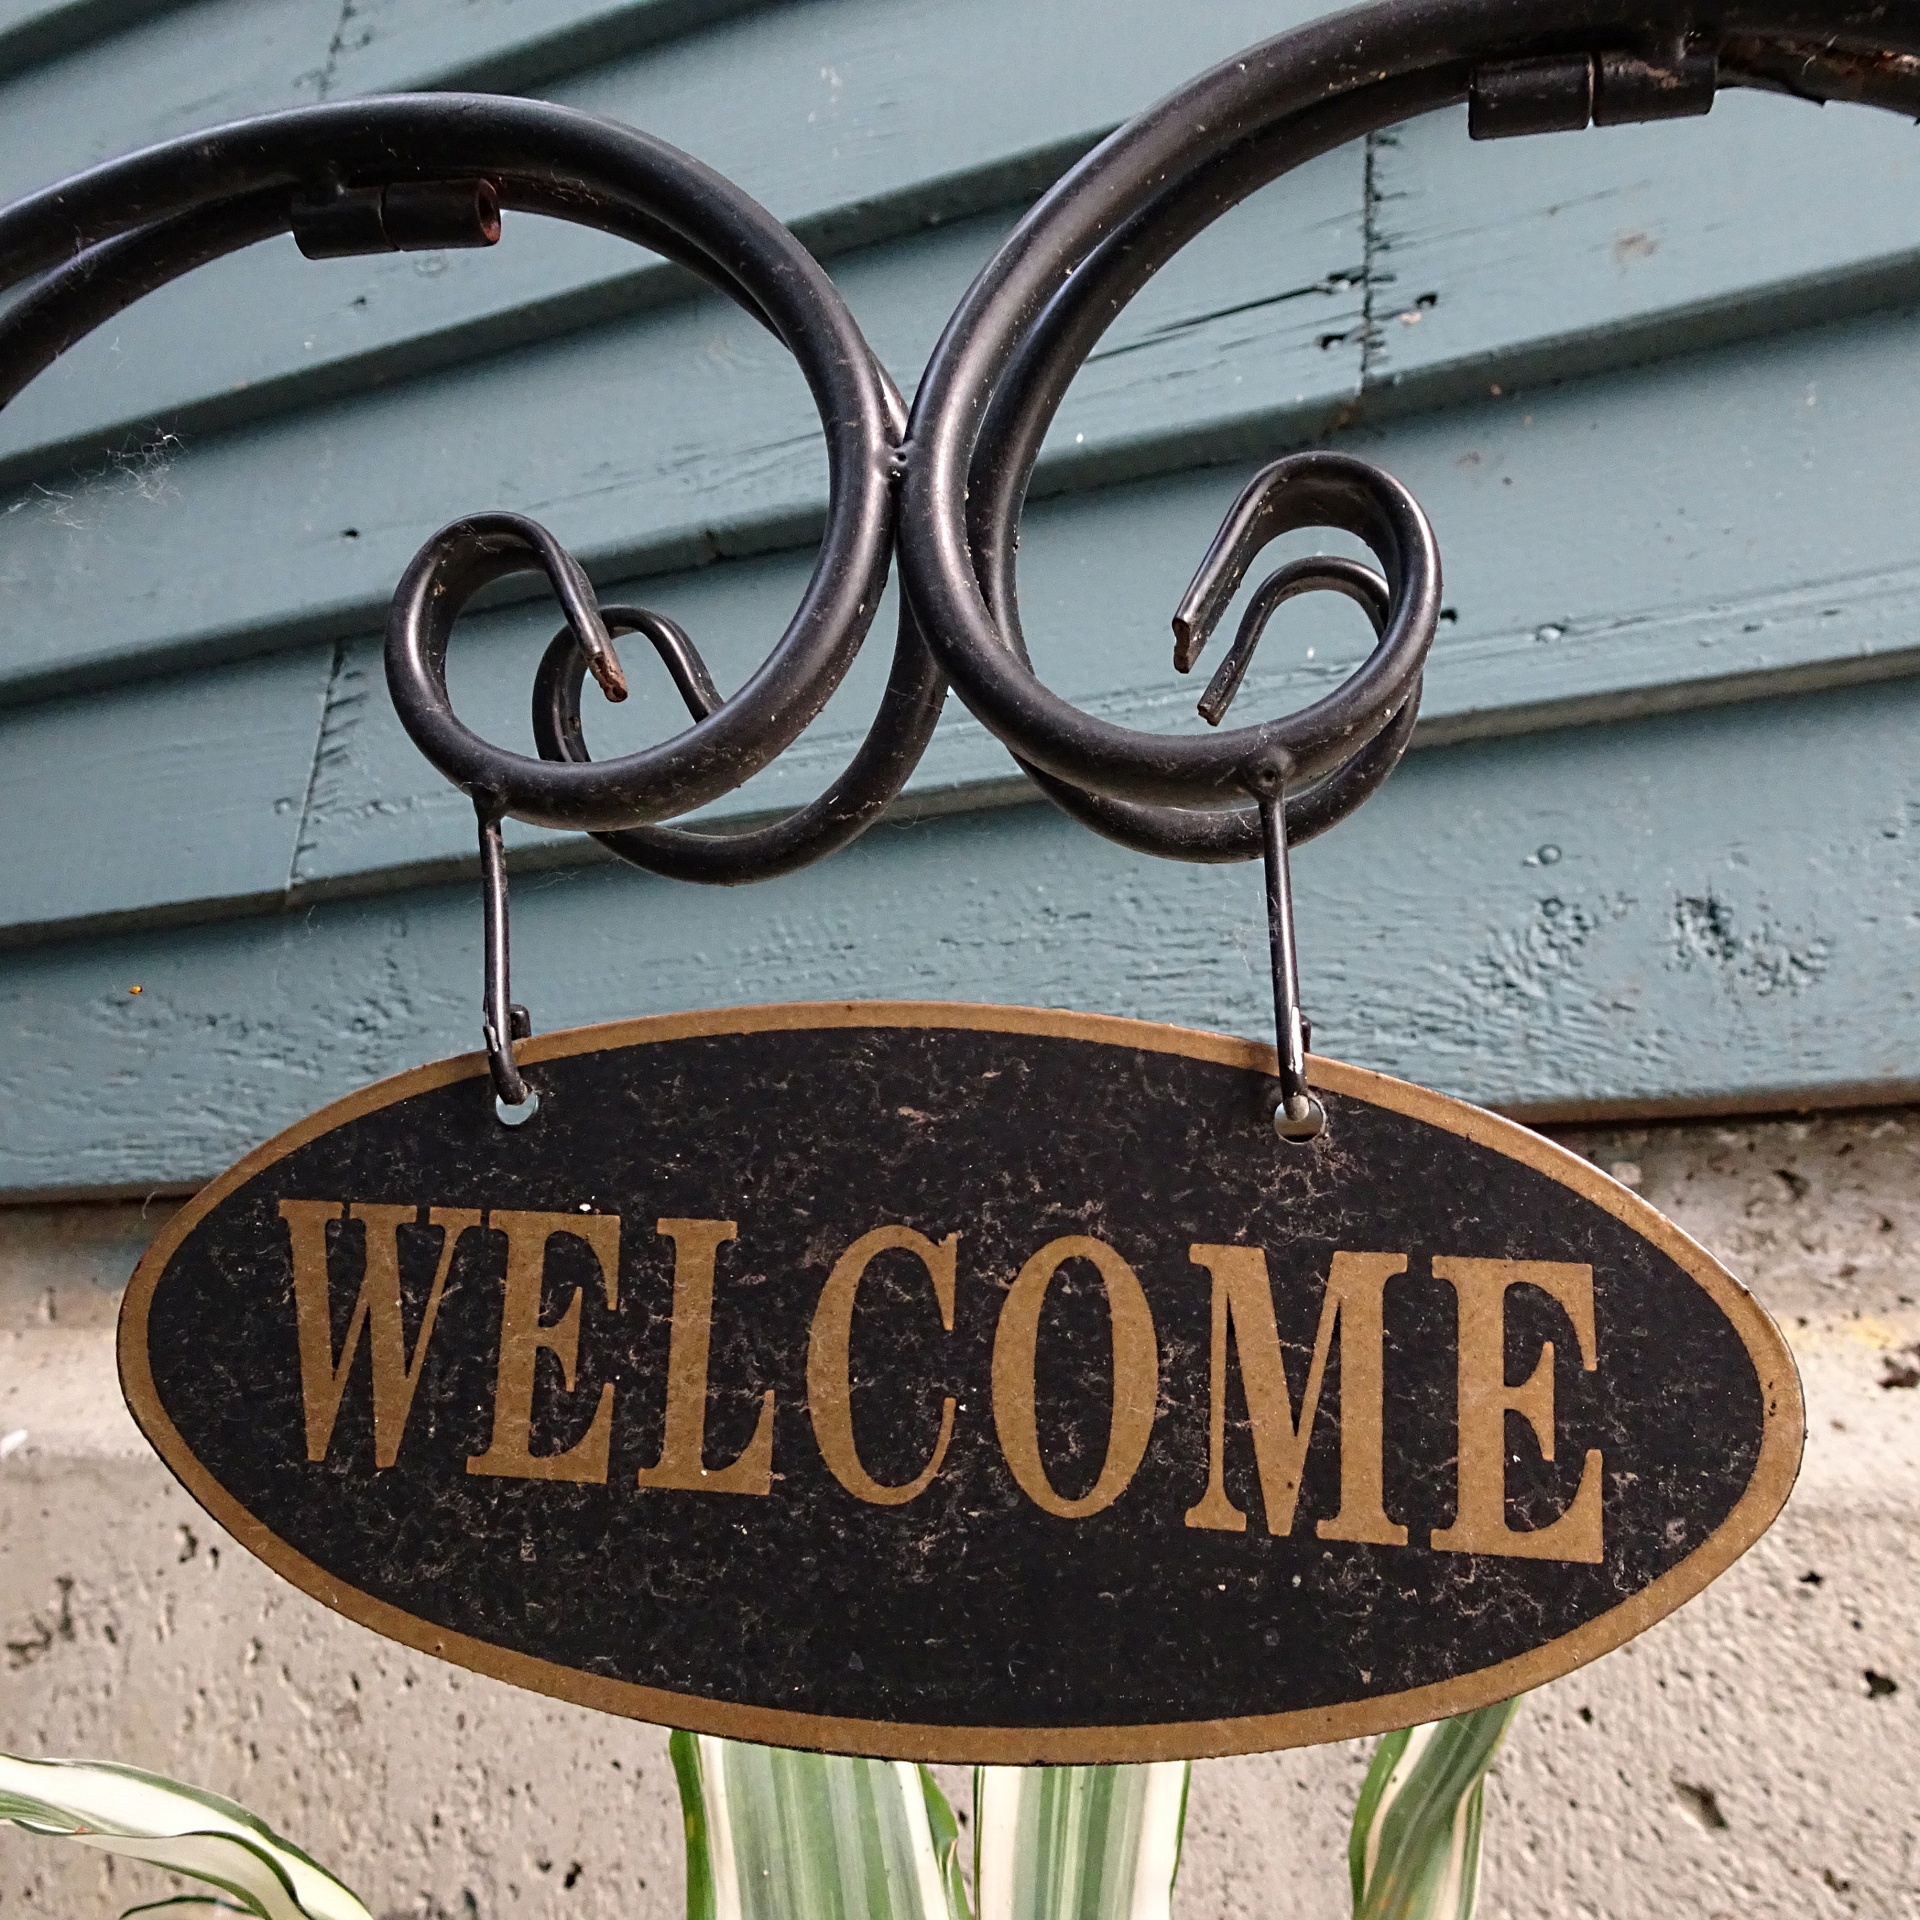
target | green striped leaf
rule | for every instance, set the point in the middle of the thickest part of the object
(1415, 1850)
(774, 1835)
(146, 1817)
(1078, 1843)
(182, 1906)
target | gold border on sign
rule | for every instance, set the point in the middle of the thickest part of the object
(1782, 1434)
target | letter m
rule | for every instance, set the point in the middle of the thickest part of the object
(376, 1314)
(1243, 1313)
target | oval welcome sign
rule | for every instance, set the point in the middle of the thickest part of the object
(960, 1383)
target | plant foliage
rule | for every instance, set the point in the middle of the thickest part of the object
(774, 1835)
(1415, 1849)
(1078, 1843)
(803, 1836)
(145, 1817)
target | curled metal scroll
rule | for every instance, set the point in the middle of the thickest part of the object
(435, 171)
(1035, 312)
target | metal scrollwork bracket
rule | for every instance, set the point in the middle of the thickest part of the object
(411, 171)
(948, 485)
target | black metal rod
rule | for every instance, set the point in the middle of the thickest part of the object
(1297, 1114)
(141, 222)
(501, 1020)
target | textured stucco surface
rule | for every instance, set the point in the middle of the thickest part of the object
(1754, 1755)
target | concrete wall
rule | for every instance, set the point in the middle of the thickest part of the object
(1755, 1755)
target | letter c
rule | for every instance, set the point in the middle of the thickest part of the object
(829, 1382)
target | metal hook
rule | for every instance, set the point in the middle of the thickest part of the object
(1252, 521)
(502, 1021)
(557, 683)
(1297, 1115)
(1323, 572)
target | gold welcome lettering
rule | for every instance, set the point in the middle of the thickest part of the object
(1485, 1400)
(1245, 1340)
(829, 1378)
(682, 1466)
(523, 1335)
(376, 1313)
(1136, 1376)
(1243, 1310)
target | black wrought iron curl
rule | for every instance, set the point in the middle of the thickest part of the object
(1028, 322)
(435, 171)
(1253, 791)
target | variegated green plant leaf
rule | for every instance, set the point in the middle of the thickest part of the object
(183, 1906)
(146, 1817)
(774, 1835)
(1078, 1843)
(1415, 1850)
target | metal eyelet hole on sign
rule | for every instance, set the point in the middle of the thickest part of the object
(510, 1116)
(1297, 1118)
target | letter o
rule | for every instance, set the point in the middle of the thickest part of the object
(1136, 1376)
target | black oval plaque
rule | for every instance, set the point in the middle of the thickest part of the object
(960, 1383)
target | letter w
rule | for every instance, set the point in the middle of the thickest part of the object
(1243, 1306)
(323, 1380)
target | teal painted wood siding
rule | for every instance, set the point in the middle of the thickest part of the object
(1652, 852)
